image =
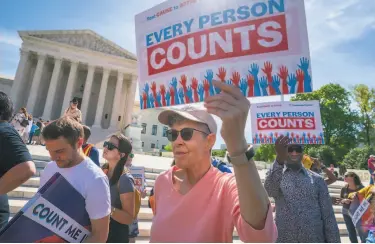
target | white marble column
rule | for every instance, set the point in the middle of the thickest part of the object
(101, 100)
(87, 92)
(116, 106)
(70, 86)
(35, 86)
(52, 89)
(19, 79)
(130, 96)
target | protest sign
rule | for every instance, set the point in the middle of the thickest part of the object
(300, 121)
(49, 217)
(260, 46)
(138, 173)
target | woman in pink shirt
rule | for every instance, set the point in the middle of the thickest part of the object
(194, 201)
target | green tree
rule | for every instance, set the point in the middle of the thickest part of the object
(340, 122)
(325, 153)
(266, 153)
(218, 153)
(357, 158)
(168, 147)
(365, 99)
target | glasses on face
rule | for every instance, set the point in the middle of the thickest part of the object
(109, 145)
(296, 149)
(186, 134)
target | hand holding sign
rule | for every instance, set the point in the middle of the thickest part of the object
(281, 148)
(232, 107)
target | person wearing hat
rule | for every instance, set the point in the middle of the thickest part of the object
(73, 111)
(194, 201)
(304, 211)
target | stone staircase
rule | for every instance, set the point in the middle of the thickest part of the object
(20, 196)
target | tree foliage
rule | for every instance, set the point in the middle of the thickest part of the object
(357, 158)
(168, 147)
(218, 153)
(325, 153)
(338, 119)
(365, 99)
(266, 153)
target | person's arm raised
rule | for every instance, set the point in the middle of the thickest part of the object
(233, 108)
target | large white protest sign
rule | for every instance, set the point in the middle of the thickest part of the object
(300, 120)
(261, 46)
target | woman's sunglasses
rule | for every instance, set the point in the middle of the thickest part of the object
(186, 134)
(297, 149)
(109, 145)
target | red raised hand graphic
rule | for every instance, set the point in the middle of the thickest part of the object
(183, 81)
(206, 87)
(300, 78)
(171, 91)
(144, 97)
(283, 74)
(222, 74)
(250, 83)
(162, 92)
(236, 77)
(314, 138)
(194, 86)
(153, 88)
(268, 71)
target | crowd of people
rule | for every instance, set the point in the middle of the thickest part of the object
(179, 199)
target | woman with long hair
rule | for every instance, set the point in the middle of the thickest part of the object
(354, 184)
(20, 121)
(116, 152)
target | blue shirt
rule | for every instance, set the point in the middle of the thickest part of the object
(33, 128)
(221, 166)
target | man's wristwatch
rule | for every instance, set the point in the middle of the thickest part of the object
(247, 155)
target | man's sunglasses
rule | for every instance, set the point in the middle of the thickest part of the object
(186, 134)
(109, 145)
(296, 149)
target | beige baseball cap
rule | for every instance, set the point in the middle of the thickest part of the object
(190, 113)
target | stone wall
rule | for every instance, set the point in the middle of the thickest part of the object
(6, 85)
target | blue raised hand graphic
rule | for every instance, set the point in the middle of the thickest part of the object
(174, 85)
(304, 137)
(243, 86)
(158, 100)
(229, 82)
(147, 89)
(304, 66)
(292, 82)
(256, 138)
(168, 98)
(181, 95)
(141, 101)
(264, 84)
(271, 135)
(201, 92)
(254, 71)
(276, 84)
(217, 90)
(152, 100)
(189, 94)
(210, 76)
(322, 136)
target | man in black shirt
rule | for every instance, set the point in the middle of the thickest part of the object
(16, 165)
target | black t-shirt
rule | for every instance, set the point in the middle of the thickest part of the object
(12, 152)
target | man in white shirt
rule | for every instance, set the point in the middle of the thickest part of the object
(64, 139)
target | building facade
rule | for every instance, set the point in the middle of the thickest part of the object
(56, 66)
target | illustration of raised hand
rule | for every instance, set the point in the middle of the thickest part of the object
(174, 83)
(152, 100)
(210, 76)
(292, 82)
(267, 70)
(283, 74)
(236, 77)
(243, 86)
(194, 86)
(201, 92)
(206, 87)
(254, 71)
(276, 84)
(189, 95)
(229, 82)
(304, 64)
(162, 92)
(264, 84)
(183, 81)
(147, 88)
(168, 98)
(172, 93)
(141, 101)
(300, 78)
(222, 74)
(217, 90)
(153, 88)
(158, 100)
(144, 98)
(181, 95)
(250, 84)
